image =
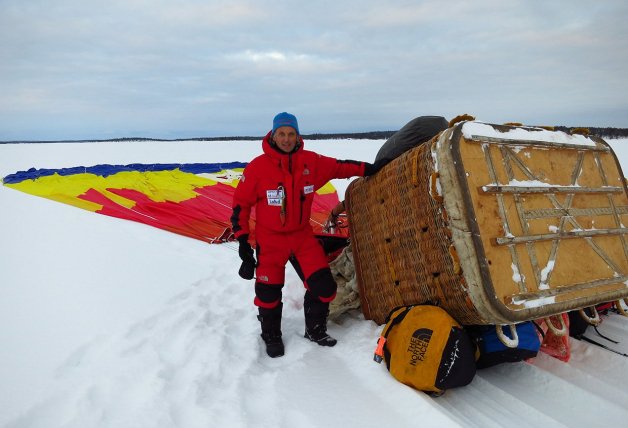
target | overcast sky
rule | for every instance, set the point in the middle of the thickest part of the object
(76, 69)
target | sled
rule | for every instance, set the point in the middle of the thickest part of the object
(496, 224)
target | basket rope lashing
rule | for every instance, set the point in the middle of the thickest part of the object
(435, 189)
(453, 253)
(558, 331)
(593, 320)
(507, 341)
(620, 307)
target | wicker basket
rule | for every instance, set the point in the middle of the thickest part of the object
(493, 227)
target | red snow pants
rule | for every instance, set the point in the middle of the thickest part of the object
(302, 249)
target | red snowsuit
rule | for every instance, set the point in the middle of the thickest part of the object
(281, 186)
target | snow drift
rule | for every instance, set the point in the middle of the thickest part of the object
(107, 323)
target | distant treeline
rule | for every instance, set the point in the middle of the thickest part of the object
(609, 133)
(383, 135)
(374, 135)
(600, 132)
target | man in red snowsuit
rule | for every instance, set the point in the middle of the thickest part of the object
(280, 184)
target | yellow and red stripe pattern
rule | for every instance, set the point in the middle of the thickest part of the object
(193, 200)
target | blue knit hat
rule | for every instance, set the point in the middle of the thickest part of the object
(285, 119)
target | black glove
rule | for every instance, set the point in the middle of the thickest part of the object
(247, 269)
(372, 168)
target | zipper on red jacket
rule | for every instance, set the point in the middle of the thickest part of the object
(301, 210)
(294, 181)
(282, 194)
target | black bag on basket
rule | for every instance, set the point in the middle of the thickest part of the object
(418, 131)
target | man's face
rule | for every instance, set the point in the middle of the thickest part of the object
(285, 138)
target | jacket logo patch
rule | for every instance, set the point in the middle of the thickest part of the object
(274, 197)
(308, 189)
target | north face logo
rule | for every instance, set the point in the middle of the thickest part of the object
(419, 342)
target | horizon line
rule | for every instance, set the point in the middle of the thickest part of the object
(367, 135)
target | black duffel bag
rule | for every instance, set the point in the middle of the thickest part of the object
(415, 132)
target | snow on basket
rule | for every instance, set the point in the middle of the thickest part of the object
(497, 224)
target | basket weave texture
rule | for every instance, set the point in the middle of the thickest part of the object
(523, 216)
(401, 241)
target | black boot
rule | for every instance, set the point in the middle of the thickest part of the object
(271, 330)
(316, 313)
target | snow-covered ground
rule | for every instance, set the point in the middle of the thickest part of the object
(110, 323)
